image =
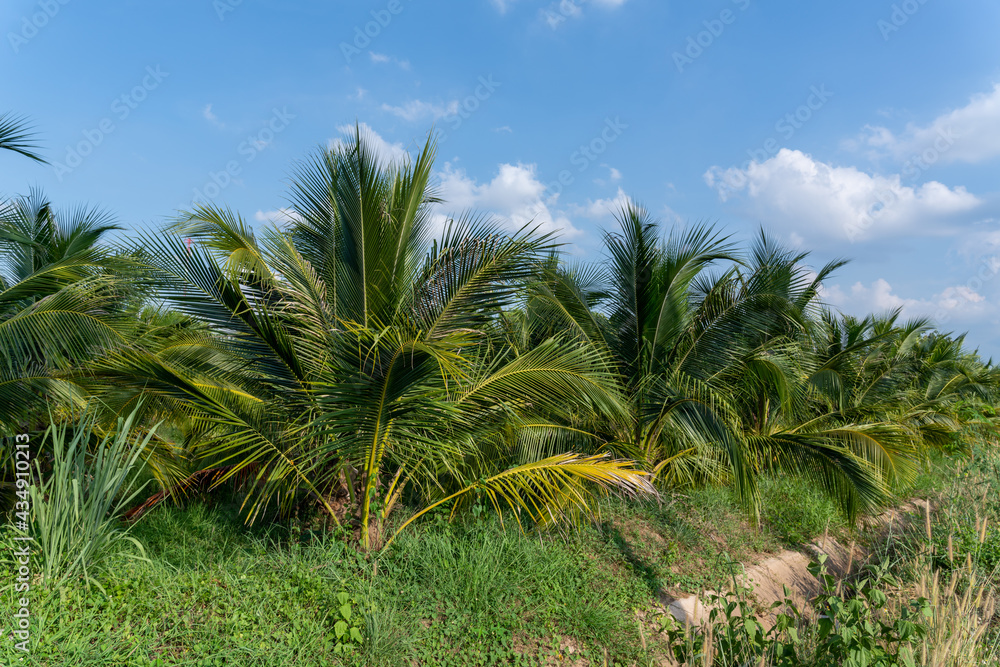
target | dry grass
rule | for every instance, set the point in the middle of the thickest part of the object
(964, 607)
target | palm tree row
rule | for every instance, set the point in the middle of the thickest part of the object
(365, 355)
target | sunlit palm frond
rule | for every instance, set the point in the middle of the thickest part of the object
(552, 488)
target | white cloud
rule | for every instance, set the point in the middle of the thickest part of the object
(278, 216)
(954, 302)
(564, 7)
(505, 128)
(558, 12)
(957, 296)
(416, 110)
(514, 195)
(601, 208)
(614, 176)
(981, 244)
(672, 217)
(389, 152)
(862, 299)
(792, 191)
(210, 116)
(381, 58)
(968, 134)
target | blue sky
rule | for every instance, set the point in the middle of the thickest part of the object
(868, 130)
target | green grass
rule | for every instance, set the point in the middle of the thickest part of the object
(693, 542)
(968, 512)
(215, 592)
(796, 511)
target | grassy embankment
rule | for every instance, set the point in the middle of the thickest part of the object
(213, 592)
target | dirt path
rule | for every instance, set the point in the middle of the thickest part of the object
(769, 578)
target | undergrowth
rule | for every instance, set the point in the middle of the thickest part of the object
(470, 592)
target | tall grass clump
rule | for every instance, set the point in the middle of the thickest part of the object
(963, 605)
(77, 506)
(958, 571)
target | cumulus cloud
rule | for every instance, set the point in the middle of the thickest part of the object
(967, 134)
(794, 192)
(601, 208)
(210, 116)
(962, 302)
(859, 298)
(381, 58)
(981, 244)
(279, 216)
(416, 110)
(614, 175)
(515, 195)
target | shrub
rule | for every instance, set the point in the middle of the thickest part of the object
(856, 631)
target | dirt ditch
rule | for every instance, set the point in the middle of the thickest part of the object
(768, 578)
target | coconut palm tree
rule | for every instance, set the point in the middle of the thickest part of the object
(761, 369)
(56, 302)
(348, 355)
(715, 352)
(881, 371)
